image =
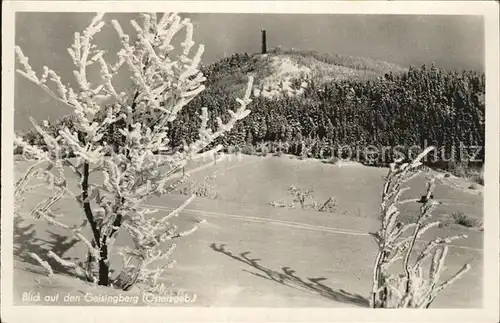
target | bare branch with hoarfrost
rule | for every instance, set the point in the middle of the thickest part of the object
(407, 288)
(162, 86)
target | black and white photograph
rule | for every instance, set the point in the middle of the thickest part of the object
(166, 158)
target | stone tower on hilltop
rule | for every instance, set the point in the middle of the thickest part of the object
(263, 42)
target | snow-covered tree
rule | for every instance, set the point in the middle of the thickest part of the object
(412, 286)
(143, 165)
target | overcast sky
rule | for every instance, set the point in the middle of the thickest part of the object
(449, 41)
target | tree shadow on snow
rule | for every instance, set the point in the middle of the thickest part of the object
(26, 242)
(288, 278)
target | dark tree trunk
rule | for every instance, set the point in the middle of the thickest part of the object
(99, 243)
(104, 266)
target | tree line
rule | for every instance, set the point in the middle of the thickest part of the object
(420, 107)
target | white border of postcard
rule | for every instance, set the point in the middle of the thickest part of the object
(490, 312)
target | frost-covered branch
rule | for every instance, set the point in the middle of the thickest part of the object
(43, 263)
(409, 288)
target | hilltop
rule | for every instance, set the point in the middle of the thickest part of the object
(311, 104)
(290, 71)
(278, 70)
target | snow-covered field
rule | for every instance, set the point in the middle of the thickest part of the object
(248, 253)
